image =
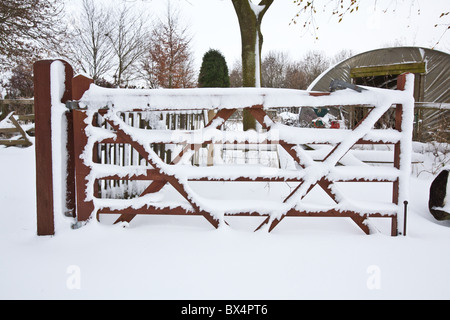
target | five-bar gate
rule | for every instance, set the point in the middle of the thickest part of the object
(94, 119)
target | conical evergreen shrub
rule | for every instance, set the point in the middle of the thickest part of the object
(214, 71)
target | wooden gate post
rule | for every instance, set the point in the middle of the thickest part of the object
(80, 84)
(84, 208)
(43, 141)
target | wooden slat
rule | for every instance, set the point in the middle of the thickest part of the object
(22, 141)
(9, 130)
(11, 143)
(22, 132)
(154, 187)
(385, 70)
(25, 117)
(17, 101)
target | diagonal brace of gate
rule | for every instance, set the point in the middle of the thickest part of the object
(329, 162)
(159, 171)
(157, 185)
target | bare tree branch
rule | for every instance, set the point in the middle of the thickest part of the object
(128, 40)
(26, 25)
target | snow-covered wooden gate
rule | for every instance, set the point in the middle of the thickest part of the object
(94, 118)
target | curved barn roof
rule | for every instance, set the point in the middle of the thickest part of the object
(432, 65)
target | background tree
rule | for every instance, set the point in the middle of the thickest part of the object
(213, 74)
(168, 62)
(89, 46)
(213, 71)
(236, 75)
(274, 69)
(20, 83)
(308, 10)
(26, 25)
(341, 56)
(250, 16)
(279, 71)
(128, 39)
(313, 64)
(106, 42)
(296, 77)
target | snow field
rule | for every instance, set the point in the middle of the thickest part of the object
(185, 258)
(164, 257)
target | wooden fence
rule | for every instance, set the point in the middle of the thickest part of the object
(16, 122)
(99, 119)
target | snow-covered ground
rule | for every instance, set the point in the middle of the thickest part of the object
(185, 258)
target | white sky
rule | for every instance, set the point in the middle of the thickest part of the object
(213, 24)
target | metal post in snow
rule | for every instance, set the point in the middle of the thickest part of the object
(405, 203)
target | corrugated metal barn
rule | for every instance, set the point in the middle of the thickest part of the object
(381, 67)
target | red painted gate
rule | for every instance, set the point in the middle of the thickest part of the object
(98, 119)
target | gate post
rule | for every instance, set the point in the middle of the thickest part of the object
(84, 207)
(402, 116)
(43, 139)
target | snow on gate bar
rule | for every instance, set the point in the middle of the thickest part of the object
(99, 139)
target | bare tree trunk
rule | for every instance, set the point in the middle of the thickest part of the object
(250, 17)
